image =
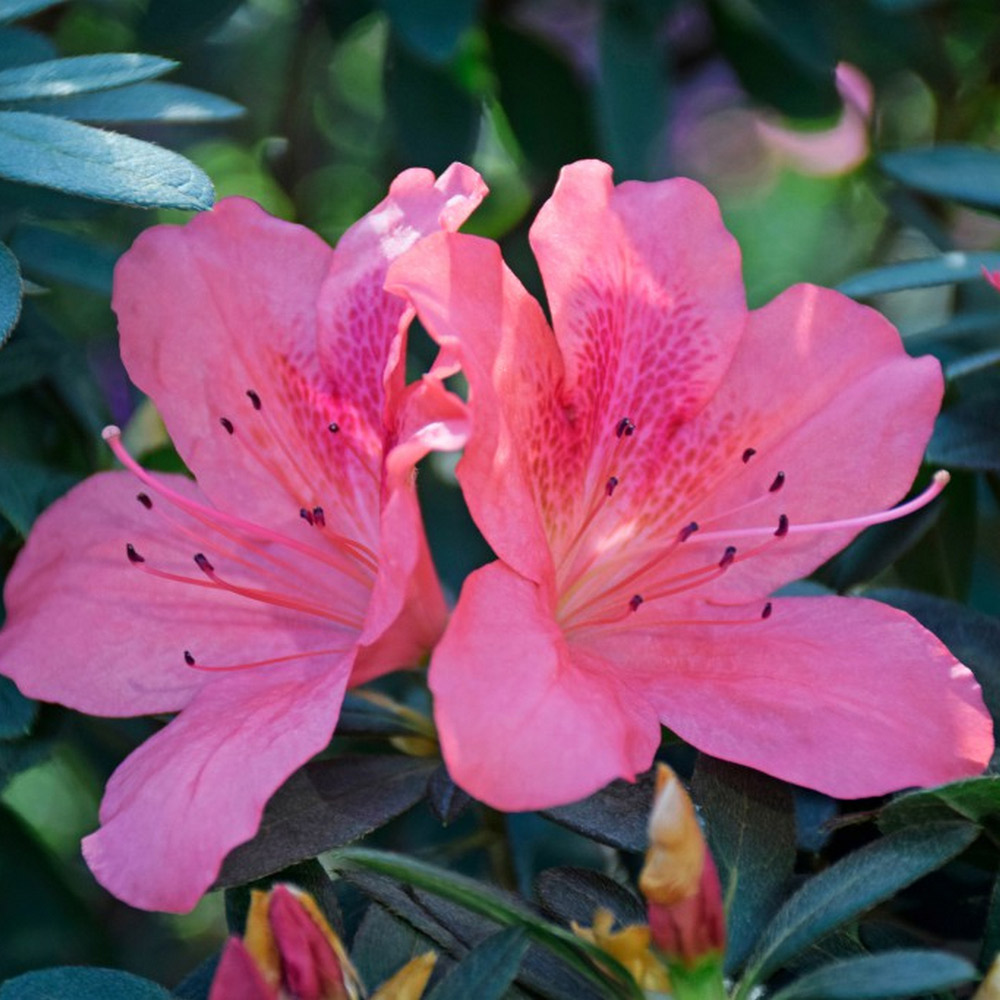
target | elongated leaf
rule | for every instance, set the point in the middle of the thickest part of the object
(973, 799)
(616, 815)
(750, 822)
(11, 10)
(852, 886)
(51, 255)
(81, 984)
(903, 973)
(145, 102)
(972, 363)
(79, 75)
(78, 159)
(11, 293)
(963, 173)
(965, 436)
(487, 971)
(479, 899)
(943, 270)
(570, 894)
(327, 804)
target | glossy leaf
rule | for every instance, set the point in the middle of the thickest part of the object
(853, 885)
(750, 825)
(79, 75)
(81, 984)
(327, 804)
(967, 174)
(925, 273)
(78, 159)
(11, 292)
(145, 102)
(903, 973)
(616, 815)
(487, 971)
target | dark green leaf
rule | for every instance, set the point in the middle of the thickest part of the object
(431, 28)
(11, 291)
(197, 984)
(963, 173)
(326, 804)
(81, 984)
(904, 973)
(173, 23)
(361, 717)
(750, 822)
(78, 159)
(543, 100)
(943, 270)
(972, 363)
(852, 886)
(144, 102)
(447, 800)
(50, 255)
(27, 488)
(974, 799)
(17, 713)
(12, 10)
(19, 47)
(383, 944)
(965, 436)
(487, 971)
(79, 75)
(633, 130)
(575, 894)
(990, 946)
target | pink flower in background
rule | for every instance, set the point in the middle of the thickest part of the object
(647, 477)
(993, 277)
(295, 567)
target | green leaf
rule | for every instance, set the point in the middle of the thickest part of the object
(431, 28)
(973, 799)
(570, 894)
(11, 293)
(27, 488)
(750, 823)
(850, 887)
(12, 10)
(616, 815)
(50, 255)
(487, 971)
(327, 804)
(943, 270)
(19, 47)
(962, 173)
(174, 23)
(17, 713)
(81, 984)
(903, 973)
(972, 363)
(447, 800)
(965, 436)
(145, 102)
(383, 944)
(633, 130)
(78, 159)
(79, 75)
(475, 896)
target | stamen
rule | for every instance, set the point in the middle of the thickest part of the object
(625, 428)
(319, 518)
(748, 453)
(306, 515)
(611, 485)
(144, 499)
(201, 561)
(766, 613)
(727, 557)
(782, 529)
(333, 427)
(254, 398)
(188, 658)
(687, 531)
(133, 556)
(213, 668)
(635, 602)
(779, 481)
(227, 424)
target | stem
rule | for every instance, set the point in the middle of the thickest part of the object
(700, 982)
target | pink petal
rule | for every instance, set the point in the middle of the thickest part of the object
(524, 722)
(88, 629)
(475, 308)
(237, 976)
(175, 808)
(844, 695)
(823, 391)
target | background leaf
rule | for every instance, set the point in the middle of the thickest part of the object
(964, 173)
(79, 75)
(81, 984)
(487, 971)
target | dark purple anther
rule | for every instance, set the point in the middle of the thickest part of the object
(333, 427)
(319, 518)
(306, 515)
(188, 658)
(687, 531)
(748, 453)
(254, 398)
(611, 485)
(727, 557)
(779, 481)
(133, 556)
(625, 428)
(766, 613)
(635, 602)
(227, 424)
(201, 560)
(144, 499)
(782, 526)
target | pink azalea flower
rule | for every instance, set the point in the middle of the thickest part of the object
(993, 277)
(295, 567)
(647, 477)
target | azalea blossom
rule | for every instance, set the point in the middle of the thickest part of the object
(648, 475)
(295, 566)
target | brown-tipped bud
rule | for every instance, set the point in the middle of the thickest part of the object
(989, 988)
(679, 879)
